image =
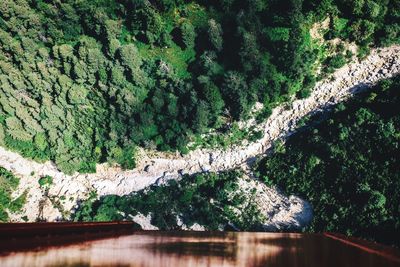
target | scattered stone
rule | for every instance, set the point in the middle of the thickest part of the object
(144, 221)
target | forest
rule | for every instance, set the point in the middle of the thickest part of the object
(83, 82)
(348, 166)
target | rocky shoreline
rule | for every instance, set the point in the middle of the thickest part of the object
(156, 168)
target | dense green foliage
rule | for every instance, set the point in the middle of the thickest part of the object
(8, 184)
(363, 21)
(211, 200)
(87, 81)
(45, 181)
(348, 166)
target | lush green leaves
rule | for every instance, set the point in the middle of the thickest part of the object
(348, 166)
(45, 181)
(8, 184)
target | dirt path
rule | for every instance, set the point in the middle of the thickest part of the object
(153, 168)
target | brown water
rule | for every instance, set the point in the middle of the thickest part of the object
(201, 249)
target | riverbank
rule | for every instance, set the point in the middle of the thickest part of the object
(155, 168)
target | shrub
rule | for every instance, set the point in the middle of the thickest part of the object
(45, 181)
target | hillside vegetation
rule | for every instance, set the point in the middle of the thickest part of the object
(8, 184)
(348, 166)
(213, 201)
(83, 82)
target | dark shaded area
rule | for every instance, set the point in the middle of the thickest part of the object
(34, 236)
(212, 249)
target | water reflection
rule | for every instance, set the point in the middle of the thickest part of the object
(201, 249)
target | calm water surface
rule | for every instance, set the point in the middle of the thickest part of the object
(201, 249)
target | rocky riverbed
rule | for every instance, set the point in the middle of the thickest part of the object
(156, 168)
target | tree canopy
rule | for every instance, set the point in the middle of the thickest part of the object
(347, 166)
(83, 82)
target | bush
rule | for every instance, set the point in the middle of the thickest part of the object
(336, 61)
(45, 181)
(8, 184)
